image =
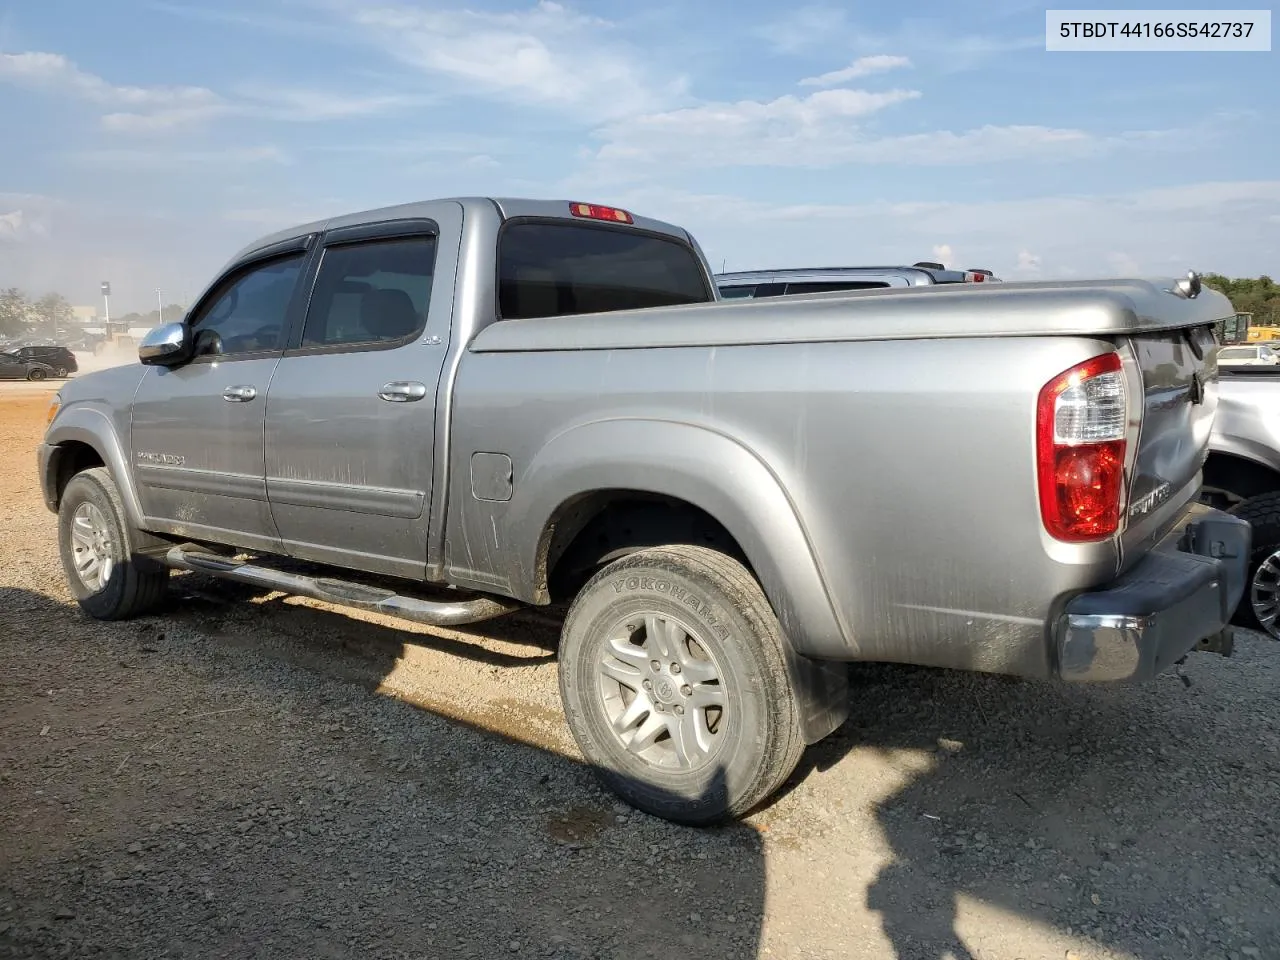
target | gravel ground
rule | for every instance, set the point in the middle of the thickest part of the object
(250, 775)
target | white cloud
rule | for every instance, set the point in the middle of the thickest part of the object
(789, 131)
(546, 54)
(131, 159)
(10, 224)
(140, 110)
(301, 104)
(939, 43)
(52, 71)
(820, 131)
(942, 253)
(805, 28)
(154, 107)
(862, 67)
(1027, 263)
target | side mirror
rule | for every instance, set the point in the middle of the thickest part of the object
(166, 345)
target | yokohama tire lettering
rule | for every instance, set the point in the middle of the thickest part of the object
(677, 593)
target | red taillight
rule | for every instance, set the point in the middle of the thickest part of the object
(975, 277)
(593, 211)
(1081, 424)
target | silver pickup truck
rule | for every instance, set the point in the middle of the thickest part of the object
(446, 410)
(1242, 476)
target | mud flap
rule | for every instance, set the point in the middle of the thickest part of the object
(822, 693)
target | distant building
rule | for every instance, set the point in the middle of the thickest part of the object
(85, 315)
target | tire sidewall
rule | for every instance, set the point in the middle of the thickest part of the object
(1270, 543)
(626, 589)
(35, 375)
(86, 489)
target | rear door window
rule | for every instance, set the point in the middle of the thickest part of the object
(371, 292)
(551, 269)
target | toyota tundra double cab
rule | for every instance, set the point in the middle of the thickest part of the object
(447, 410)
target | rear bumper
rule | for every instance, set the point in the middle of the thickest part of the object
(1147, 619)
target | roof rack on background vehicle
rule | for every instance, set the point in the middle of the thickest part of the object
(776, 283)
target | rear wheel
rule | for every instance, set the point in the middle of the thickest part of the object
(35, 373)
(104, 576)
(1260, 607)
(60, 372)
(675, 685)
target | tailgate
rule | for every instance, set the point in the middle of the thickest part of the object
(1179, 374)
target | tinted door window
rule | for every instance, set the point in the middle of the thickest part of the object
(831, 286)
(248, 315)
(737, 293)
(375, 291)
(549, 269)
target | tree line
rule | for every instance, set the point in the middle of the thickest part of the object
(1257, 295)
(52, 315)
(19, 314)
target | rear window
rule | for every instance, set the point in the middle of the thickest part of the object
(550, 269)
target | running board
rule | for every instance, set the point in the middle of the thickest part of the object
(431, 612)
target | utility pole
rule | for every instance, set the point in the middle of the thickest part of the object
(106, 303)
(160, 304)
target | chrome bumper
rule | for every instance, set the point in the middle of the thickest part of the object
(1150, 617)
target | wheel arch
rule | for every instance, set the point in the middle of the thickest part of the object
(708, 484)
(1238, 474)
(77, 438)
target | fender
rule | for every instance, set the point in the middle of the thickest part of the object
(702, 467)
(88, 425)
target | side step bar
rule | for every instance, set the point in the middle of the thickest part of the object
(341, 592)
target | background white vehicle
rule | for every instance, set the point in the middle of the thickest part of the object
(1251, 355)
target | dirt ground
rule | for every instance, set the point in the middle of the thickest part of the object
(259, 776)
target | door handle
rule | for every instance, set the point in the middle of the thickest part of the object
(402, 391)
(239, 394)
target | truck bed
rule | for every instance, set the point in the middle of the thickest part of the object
(1105, 309)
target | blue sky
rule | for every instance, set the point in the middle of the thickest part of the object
(147, 139)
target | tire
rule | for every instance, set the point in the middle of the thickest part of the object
(133, 585)
(742, 751)
(1259, 608)
(35, 374)
(60, 373)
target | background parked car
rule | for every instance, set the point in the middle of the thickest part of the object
(17, 368)
(1250, 354)
(59, 358)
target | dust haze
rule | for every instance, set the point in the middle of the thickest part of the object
(112, 355)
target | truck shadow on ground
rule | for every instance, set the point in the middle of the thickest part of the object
(438, 839)
(1027, 804)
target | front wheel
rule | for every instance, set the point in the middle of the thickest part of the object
(35, 374)
(104, 576)
(675, 686)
